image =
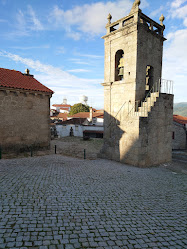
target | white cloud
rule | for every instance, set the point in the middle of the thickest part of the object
(63, 83)
(175, 63)
(37, 65)
(177, 3)
(32, 47)
(92, 56)
(35, 23)
(60, 50)
(90, 18)
(26, 22)
(21, 20)
(185, 22)
(144, 4)
(74, 35)
(156, 12)
(78, 61)
(178, 10)
(79, 70)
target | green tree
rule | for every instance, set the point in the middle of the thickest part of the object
(76, 108)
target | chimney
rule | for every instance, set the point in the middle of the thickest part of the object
(91, 114)
(27, 72)
(64, 101)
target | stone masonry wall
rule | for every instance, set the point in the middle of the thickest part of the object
(156, 133)
(179, 141)
(149, 52)
(141, 141)
(24, 120)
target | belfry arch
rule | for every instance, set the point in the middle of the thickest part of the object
(119, 65)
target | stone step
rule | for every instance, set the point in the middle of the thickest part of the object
(151, 99)
(146, 105)
(155, 94)
(180, 155)
(139, 114)
(144, 109)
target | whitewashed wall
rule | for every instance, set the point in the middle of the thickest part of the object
(63, 131)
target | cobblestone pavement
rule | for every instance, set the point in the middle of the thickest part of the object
(60, 202)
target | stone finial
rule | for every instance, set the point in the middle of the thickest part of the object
(162, 18)
(135, 6)
(109, 18)
(137, 2)
(27, 71)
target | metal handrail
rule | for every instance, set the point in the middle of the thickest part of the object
(117, 114)
(163, 86)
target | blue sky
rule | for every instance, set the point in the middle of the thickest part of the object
(60, 42)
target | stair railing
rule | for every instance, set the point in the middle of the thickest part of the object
(162, 86)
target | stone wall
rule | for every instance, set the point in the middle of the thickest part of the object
(156, 133)
(179, 140)
(141, 141)
(24, 119)
(126, 41)
(149, 52)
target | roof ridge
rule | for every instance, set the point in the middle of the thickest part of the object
(18, 80)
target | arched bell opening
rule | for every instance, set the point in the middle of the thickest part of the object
(119, 65)
(149, 78)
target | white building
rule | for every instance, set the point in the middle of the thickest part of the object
(62, 108)
(82, 124)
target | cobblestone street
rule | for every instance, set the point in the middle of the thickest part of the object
(60, 202)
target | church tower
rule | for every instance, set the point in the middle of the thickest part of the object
(138, 110)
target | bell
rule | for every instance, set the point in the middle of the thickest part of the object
(121, 70)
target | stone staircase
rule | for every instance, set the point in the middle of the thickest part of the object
(180, 156)
(147, 104)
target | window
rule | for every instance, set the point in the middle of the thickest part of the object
(173, 135)
(119, 65)
(94, 120)
(76, 127)
(149, 77)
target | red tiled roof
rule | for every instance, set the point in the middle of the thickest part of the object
(61, 105)
(81, 115)
(62, 115)
(15, 79)
(87, 115)
(101, 111)
(76, 121)
(64, 108)
(180, 119)
(98, 115)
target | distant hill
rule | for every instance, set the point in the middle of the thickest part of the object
(180, 109)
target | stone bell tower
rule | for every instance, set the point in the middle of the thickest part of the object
(138, 111)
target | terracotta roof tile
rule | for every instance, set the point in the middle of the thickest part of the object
(15, 79)
(62, 115)
(180, 119)
(76, 121)
(61, 105)
(87, 115)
